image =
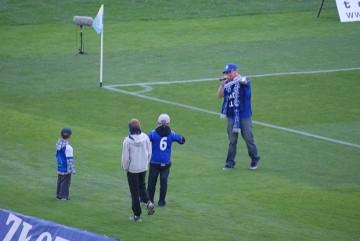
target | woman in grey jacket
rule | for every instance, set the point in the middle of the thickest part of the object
(135, 157)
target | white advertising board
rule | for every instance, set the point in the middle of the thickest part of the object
(349, 10)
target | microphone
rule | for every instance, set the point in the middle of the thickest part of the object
(83, 20)
(223, 78)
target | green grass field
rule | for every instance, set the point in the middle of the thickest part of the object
(306, 96)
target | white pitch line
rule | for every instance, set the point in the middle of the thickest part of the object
(148, 88)
(308, 134)
(160, 100)
(251, 76)
(307, 72)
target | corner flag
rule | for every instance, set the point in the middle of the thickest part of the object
(98, 25)
(99, 20)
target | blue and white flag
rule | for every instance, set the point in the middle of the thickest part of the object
(15, 226)
(98, 23)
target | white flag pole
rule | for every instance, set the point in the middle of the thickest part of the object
(101, 56)
(102, 51)
(98, 25)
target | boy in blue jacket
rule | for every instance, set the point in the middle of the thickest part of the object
(65, 164)
(161, 138)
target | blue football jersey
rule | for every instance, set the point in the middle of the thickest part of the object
(161, 139)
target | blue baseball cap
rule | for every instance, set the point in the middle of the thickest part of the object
(229, 67)
(66, 132)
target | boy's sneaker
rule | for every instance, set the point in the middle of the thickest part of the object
(142, 202)
(135, 218)
(253, 165)
(227, 168)
(63, 199)
(150, 208)
(162, 203)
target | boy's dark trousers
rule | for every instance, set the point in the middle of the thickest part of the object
(63, 186)
(154, 172)
(138, 190)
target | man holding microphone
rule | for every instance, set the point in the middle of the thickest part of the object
(236, 107)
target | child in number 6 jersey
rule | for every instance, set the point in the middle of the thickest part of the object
(161, 138)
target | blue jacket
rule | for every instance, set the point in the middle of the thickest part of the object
(244, 101)
(64, 157)
(162, 138)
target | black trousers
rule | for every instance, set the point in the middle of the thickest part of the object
(63, 186)
(138, 190)
(154, 172)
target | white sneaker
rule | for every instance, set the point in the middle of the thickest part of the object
(253, 165)
(227, 168)
(135, 218)
(150, 208)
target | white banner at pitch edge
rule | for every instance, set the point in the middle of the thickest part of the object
(349, 10)
(17, 227)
